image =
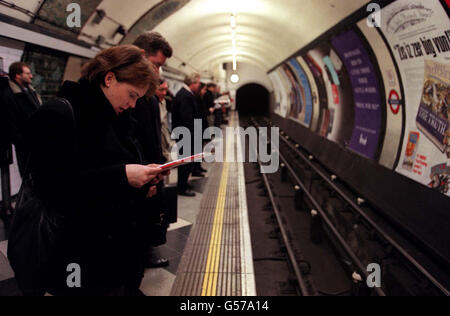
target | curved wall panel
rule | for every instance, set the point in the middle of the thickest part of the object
(382, 92)
(381, 113)
(421, 47)
(314, 93)
(394, 106)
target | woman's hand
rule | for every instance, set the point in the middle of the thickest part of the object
(160, 176)
(139, 175)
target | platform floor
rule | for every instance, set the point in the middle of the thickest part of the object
(218, 257)
(209, 248)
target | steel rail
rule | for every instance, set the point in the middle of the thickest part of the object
(327, 221)
(374, 225)
(291, 254)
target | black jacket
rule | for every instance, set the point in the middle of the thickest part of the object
(209, 100)
(184, 110)
(148, 130)
(22, 105)
(17, 106)
(79, 170)
(6, 122)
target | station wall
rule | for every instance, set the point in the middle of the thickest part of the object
(381, 92)
(372, 104)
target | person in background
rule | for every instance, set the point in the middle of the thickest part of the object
(213, 108)
(23, 105)
(166, 140)
(184, 112)
(147, 113)
(202, 113)
(169, 101)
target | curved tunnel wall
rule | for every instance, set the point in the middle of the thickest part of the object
(372, 103)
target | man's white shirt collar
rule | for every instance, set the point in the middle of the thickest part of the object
(187, 88)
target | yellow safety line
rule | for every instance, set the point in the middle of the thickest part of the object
(212, 266)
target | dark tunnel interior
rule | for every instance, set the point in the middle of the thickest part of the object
(253, 99)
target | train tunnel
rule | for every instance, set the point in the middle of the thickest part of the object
(253, 99)
(353, 91)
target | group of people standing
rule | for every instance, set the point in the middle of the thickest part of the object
(93, 157)
(195, 101)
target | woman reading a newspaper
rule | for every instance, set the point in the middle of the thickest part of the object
(90, 172)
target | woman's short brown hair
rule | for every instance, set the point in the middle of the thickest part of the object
(127, 62)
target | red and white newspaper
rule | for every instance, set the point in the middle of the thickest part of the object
(182, 162)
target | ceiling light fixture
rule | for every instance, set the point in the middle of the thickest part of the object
(235, 78)
(233, 23)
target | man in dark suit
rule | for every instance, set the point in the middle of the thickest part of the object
(148, 133)
(184, 112)
(21, 107)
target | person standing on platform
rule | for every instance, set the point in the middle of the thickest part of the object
(24, 104)
(203, 113)
(209, 99)
(147, 113)
(166, 140)
(184, 114)
(88, 167)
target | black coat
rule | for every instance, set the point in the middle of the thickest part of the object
(184, 110)
(17, 106)
(148, 130)
(80, 171)
(6, 123)
(21, 106)
(209, 100)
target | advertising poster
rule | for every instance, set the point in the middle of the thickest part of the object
(297, 95)
(394, 106)
(366, 93)
(281, 106)
(323, 112)
(418, 32)
(276, 92)
(316, 57)
(287, 88)
(303, 114)
(337, 119)
(314, 93)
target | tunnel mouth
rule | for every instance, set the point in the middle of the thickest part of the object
(253, 100)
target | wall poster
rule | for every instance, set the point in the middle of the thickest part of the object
(418, 32)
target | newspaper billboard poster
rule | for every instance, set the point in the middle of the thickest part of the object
(418, 33)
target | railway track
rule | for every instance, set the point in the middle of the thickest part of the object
(358, 272)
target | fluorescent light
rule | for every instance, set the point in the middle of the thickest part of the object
(233, 22)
